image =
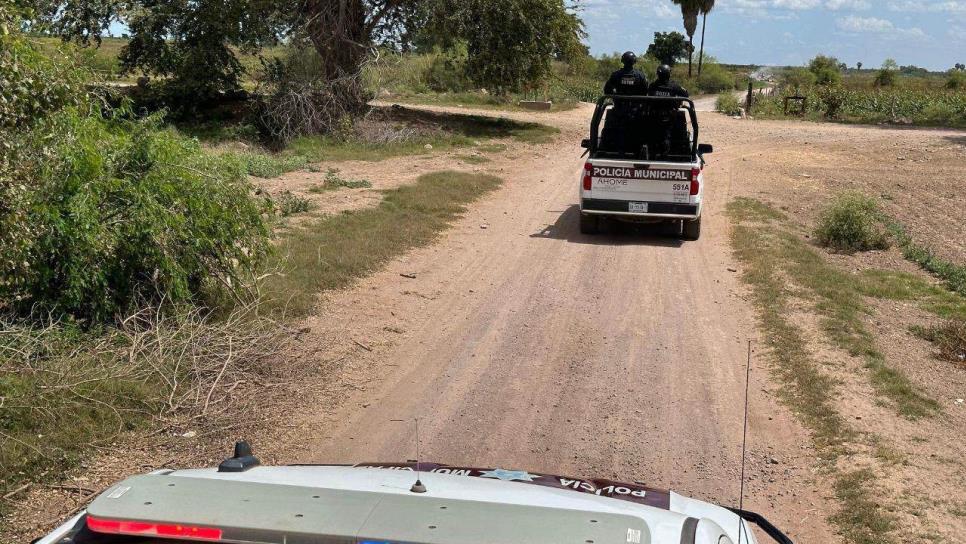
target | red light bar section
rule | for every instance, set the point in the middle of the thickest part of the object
(141, 528)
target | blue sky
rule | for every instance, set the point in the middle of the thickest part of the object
(927, 33)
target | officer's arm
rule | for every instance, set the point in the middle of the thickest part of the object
(611, 86)
(683, 92)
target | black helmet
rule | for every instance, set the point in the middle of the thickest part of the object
(629, 58)
(663, 72)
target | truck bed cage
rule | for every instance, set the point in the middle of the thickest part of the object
(608, 99)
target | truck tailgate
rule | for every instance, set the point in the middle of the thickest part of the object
(642, 181)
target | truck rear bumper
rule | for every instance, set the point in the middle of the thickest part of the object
(659, 210)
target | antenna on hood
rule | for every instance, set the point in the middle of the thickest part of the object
(417, 487)
(744, 442)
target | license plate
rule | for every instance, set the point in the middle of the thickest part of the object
(637, 207)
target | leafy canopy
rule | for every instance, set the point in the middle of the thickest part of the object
(827, 70)
(510, 43)
(669, 47)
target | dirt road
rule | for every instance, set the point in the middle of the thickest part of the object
(521, 343)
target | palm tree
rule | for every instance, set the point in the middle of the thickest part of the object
(705, 6)
(690, 10)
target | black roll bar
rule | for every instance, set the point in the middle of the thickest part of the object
(763, 524)
(602, 104)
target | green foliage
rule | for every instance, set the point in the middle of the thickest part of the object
(956, 80)
(99, 214)
(510, 43)
(33, 84)
(827, 70)
(885, 78)
(852, 223)
(932, 107)
(334, 181)
(289, 203)
(797, 79)
(268, 165)
(121, 212)
(669, 47)
(714, 78)
(448, 71)
(953, 274)
(887, 75)
(728, 104)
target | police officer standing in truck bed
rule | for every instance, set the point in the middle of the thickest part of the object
(623, 123)
(663, 86)
(662, 114)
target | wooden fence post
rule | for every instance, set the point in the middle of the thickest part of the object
(749, 99)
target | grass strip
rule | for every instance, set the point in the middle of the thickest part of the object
(863, 520)
(335, 250)
(954, 275)
(840, 300)
(762, 246)
(456, 132)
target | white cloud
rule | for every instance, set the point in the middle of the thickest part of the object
(874, 25)
(921, 6)
(856, 5)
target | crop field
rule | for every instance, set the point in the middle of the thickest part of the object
(902, 106)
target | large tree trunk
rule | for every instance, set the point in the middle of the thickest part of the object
(704, 23)
(690, 54)
(339, 33)
(690, 26)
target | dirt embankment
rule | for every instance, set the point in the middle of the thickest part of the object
(520, 343)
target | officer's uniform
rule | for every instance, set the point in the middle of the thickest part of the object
(627, 82)
(667, 89)
(621, 123)
(663, 114)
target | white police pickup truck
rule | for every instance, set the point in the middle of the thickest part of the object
(242, 502)
(644, 164)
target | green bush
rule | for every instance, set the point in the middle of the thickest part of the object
(269, 166)
(715, 79)
(100, 213)
(885, 78)
(447, 73)
(827, 70)
(728, 104)
(289, 203)
(120, 212)
(33, 84)
(796, 80)
(956, 80)
(852, 223)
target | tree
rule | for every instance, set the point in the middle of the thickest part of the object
(668, 47)
(960, 66)
(858, 66)
(510, 43)
(689, 11)
(826, 70)
(797, 78)
(957, 79)
(196, 43)
(706, 6)
(886, 76)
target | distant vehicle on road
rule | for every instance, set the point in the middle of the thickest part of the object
(644, 164)
(395, 503)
